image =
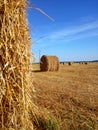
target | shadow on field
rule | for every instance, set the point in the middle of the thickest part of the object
(36, 71)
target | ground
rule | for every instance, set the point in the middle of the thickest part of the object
(70, 94)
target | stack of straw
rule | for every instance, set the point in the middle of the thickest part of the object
(15, 100)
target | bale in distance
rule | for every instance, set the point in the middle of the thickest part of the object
(85, 63)
(63, 63)
(70, 63)
(49, 63)
(82, 63)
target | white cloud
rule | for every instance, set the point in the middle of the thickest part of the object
(68, 34)
(75, 30)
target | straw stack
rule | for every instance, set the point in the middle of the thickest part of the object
(15, 54)
(49, 63)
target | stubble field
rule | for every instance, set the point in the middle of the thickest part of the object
(71, 95)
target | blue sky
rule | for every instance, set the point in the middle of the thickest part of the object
(71, 33)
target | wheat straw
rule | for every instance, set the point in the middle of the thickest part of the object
(15, 54)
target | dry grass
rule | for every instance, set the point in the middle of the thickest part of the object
(70, 94)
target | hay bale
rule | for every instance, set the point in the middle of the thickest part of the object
(85, 63)
(49, 63)
(15, 82)
(70, 63)
(63, 63)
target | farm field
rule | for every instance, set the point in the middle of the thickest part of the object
(71, 95)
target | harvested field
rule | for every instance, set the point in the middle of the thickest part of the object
(71, 94)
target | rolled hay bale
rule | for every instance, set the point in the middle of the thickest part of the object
(63, 63)
(85, 63)
(15, 82)
(70, 63)
(49, 63)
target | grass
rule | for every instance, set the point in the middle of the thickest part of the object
(71, 95)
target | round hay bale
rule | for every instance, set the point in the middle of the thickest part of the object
(49, 63)
(80, 63)
(85, 63)
(63, 63)
(70, 63)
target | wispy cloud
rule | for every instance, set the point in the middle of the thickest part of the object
(79, 36)
(81, 30)
(68, 34)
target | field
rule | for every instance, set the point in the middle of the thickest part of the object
(71, 95)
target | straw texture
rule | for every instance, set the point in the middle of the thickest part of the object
(49, 63)
(15, 100)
